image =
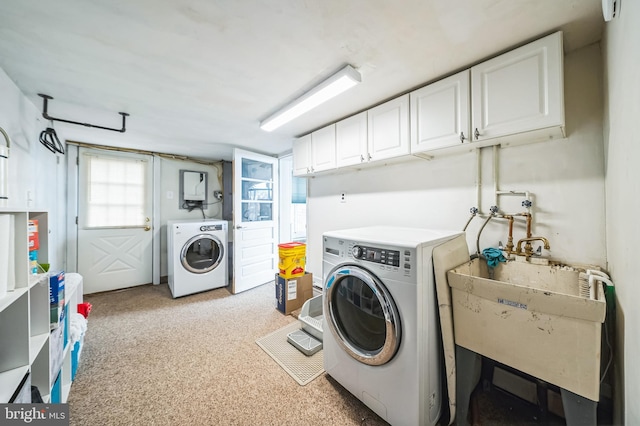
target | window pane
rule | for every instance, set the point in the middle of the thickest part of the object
(257, 170)
(116, 191)
(256, 190)
(252, 212)
(298, 190)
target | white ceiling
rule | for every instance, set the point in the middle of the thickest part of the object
(197, 76)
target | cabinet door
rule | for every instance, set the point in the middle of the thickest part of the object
(351, 140)
(519, 91)
(302, 156)
(440, 114)
(388, 129)
(323, 149)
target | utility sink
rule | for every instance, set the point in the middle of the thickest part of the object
(532, 317)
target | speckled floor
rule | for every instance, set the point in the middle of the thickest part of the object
(149, 359)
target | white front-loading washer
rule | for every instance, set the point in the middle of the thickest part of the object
(196, 255)
(381, 339)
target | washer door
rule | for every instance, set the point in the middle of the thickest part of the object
(201, 254)
(361, 314)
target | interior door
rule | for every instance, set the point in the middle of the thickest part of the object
(255, 214)
(114, 219)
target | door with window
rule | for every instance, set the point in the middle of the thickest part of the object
(255, 215)
(114, 219)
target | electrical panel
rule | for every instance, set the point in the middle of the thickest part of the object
(193, 189)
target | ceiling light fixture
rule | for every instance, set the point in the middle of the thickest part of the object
(343, 80)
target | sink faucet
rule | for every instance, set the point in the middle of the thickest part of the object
(528, 249)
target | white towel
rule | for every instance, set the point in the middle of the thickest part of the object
(77, 327)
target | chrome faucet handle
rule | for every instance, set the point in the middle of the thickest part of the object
(526, 203)
(538, 251)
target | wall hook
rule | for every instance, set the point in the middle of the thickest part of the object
(46, 99)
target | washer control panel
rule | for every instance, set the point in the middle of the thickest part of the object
(205, 228)
(376, 255)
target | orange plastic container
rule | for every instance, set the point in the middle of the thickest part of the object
(293, 258)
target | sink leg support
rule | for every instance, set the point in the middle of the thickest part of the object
(468, 368)
(579, 410)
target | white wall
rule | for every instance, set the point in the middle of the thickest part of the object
(622, 115)
(566, 178)
(33, 169)
(170, 187)
(285, 221)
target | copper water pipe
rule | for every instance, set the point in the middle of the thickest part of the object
(509, 246)
(527, 215)
(528, 249)
(510, 238)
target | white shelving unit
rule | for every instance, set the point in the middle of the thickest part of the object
(25, 316)
(73, 296)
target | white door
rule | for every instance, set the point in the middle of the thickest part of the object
(114, 219)
(255, 215)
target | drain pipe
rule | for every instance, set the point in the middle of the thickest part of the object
(495, 175)
(478, 176)
(496, 178)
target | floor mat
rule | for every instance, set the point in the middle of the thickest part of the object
(302, 368)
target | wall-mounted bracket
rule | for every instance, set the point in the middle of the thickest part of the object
(46, 99)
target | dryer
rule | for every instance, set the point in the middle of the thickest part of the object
(381, 338)
(196, 255)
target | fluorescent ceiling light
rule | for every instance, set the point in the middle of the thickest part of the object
(344, 79)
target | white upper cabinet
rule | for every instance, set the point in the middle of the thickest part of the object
(519, 91)
(351, 140)
(440, 114)
(517, 97)
(315, 152)
(388, 129)
(302, 156)
(323, 149)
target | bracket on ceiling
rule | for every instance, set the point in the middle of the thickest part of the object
(46, 99)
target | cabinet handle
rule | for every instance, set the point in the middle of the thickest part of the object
(368, 157)
(308, 171)
(361, 158)
(476, 133)
(462, 138)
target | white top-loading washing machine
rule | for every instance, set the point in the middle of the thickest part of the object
(197, 255)
(381, 340)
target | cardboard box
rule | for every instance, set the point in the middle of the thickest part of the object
(291, 293)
